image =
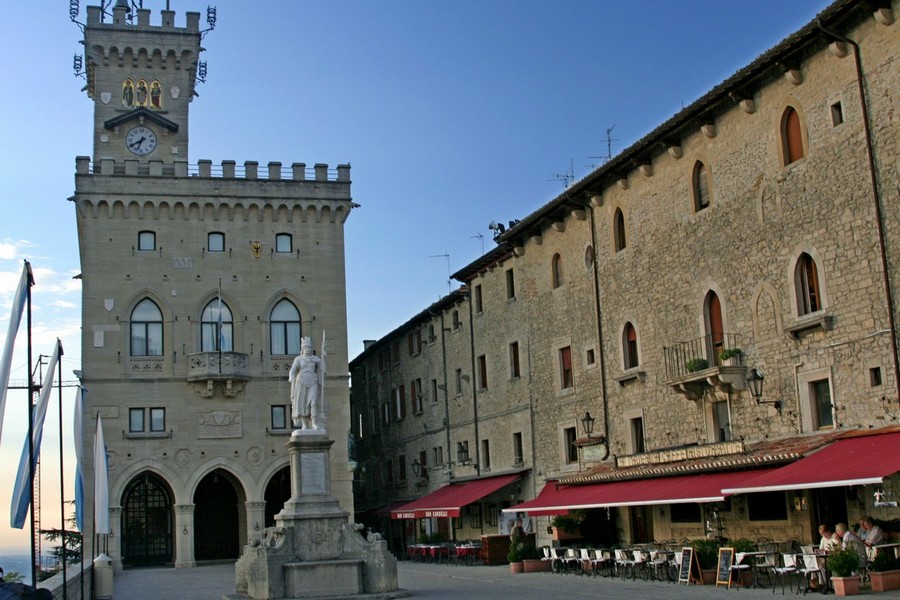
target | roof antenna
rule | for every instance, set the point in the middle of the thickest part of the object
(609, 141)
(480, 236)
(567, 177)
(447, 256)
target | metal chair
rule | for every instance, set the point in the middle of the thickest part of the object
(787, 569)
(623, 563)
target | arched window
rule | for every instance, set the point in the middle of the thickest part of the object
(146, 329)
(285, 328)
(556, 268)
(791, 136)
(715, 332)
(630, 347)
(809, 298)
(619, 230)
(216, 328)
(700, 184)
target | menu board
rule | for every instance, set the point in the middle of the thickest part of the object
(723, 570)
(687, 560)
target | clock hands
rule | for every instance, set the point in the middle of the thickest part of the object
(137, 145)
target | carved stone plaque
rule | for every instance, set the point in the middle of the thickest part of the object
(312, 473)
(219, 424)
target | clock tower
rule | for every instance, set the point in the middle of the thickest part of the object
(141, 83)
(199, 282)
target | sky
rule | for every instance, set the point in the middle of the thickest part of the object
(451, 114)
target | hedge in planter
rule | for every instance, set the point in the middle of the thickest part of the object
(884, 572)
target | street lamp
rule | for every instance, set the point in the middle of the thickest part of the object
(587, 422)
(755, 382)
(416, 467)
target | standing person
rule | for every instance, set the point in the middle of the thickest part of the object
(873, 534)
(517, 533)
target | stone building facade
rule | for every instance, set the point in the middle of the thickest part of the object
(199, 281)
(752, 234)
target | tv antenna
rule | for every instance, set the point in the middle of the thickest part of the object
(609, 142)
(447, 257)
(480, 236)
(567, 176)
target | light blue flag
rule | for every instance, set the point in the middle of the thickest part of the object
(21, 498)
(6, 361)
(79, 458)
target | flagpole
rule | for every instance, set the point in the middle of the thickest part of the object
(62, 478)
(30, 424)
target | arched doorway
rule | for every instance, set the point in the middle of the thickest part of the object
(715, 332)
(278, 491)
(147, 521)
(216, 517)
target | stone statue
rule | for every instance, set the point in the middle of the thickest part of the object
(307, 377)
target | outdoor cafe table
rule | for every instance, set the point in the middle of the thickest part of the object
(751, 559)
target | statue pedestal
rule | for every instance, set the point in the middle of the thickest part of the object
(312, 513)
(313, 551)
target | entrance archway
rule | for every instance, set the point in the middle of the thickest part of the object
(147, 521)
(216, 517)
(278, 491)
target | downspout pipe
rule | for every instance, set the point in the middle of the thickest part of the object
(600, 347)
(876, 196)
(474, 382)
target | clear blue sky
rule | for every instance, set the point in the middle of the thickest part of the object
(452, 114)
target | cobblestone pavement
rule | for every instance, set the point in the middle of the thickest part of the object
(443, 582)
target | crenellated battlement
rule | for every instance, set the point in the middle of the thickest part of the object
(120, 13)
(205, 169)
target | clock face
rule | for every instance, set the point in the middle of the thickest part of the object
(141, 140)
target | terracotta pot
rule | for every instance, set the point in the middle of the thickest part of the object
(536, 565)
(845, 586)
(709, 576)
(883, 581)
(516, 567)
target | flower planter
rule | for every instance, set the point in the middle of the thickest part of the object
(882, 581)
(536, 565)
(516, 567)
(845, 586)
(709, 576)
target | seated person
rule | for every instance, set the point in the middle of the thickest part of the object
(829, 541)
(849, 540)
(873, 534)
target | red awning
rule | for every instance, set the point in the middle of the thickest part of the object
(446, 501)
(704, 487)
(859, 460)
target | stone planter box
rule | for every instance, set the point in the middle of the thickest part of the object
(516, 567)
(536, 565)
(883, 581)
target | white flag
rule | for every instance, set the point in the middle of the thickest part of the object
(101, 482)
(79, 460)
(21, 498)
(15, 318)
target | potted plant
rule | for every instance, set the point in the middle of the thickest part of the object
(568, 527)
(696, 364)
(515, 558)
(884, 571)
(731, 356)
(842, 564)
(707, 553)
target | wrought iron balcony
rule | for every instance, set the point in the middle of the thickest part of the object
(714, 360)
